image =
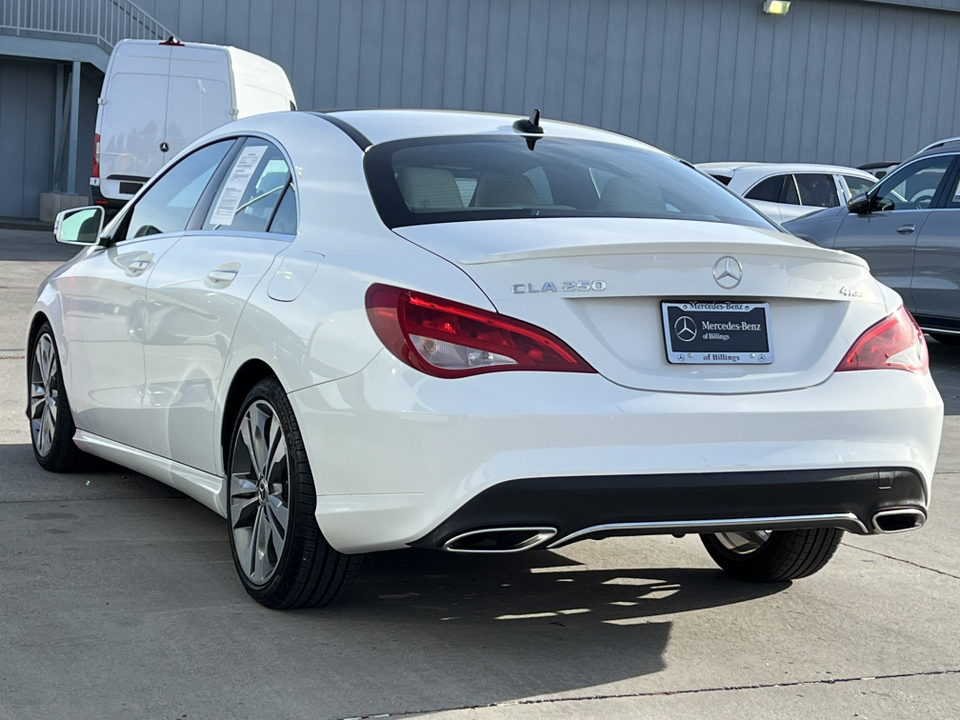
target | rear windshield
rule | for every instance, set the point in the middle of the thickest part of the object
(455, 179)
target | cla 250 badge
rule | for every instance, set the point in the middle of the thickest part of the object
(565, 286)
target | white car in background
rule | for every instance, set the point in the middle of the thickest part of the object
(785, 192)
(374, 329)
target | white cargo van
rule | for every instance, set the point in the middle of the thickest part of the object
(158, 97)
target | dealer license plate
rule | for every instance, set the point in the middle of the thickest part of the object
(717, 333)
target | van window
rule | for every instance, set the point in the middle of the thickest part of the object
(167, 205)
(251, 189)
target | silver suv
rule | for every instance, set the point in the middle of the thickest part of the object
(908, 228)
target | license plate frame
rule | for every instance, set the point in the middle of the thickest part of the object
(717, 332)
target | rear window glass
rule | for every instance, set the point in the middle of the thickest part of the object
(456, 179)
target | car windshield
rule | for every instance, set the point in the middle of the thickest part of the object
(455, 179)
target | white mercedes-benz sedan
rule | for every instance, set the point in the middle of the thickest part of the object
(373, 329)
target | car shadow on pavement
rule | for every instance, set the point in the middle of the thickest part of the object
(944, 363)
(492, 629)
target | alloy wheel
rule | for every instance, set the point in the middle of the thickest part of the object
(745, 542)
(44, 394)
(259, 492)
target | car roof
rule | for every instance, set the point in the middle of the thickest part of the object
(386, 125)
(758, 169)
(939, 147)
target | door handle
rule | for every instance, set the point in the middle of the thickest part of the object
(906, 229)
(137, 267)
(222, 277)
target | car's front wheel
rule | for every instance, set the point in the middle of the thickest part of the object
(772, 555)
(51, 423)
(281, 556)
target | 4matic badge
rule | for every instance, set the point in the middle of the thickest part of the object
(566, 286)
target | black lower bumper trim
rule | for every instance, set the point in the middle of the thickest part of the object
(663, 503)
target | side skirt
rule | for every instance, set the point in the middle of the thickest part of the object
(201, 486)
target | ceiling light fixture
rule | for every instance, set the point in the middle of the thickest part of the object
(776, 7)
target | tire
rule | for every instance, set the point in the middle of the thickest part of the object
(281, 556)
(772, 556)
(51, 422)
(946, 338)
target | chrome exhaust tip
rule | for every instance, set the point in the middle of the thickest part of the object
(898, 520)
(499, 540)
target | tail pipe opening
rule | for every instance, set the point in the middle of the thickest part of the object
(499, 540)
(896, 520)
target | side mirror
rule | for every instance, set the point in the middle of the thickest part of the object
(79, 226)
(860, 204)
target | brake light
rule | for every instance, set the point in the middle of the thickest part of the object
(96, 155)
(894, 343)
(449, 340)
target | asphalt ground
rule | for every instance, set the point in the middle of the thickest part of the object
(118, 599)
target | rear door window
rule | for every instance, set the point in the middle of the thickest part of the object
(251, 189)
(769, 190)
(817, 190)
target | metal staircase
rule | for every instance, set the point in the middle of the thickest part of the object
(84, 30)
(73, 33)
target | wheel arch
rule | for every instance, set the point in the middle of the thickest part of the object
(38, 319)
(247, 375)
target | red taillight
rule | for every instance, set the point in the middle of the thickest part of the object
(96, 155)
(449, 340)
(894, 343)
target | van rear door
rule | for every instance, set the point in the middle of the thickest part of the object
(132, 118)
(199, 98)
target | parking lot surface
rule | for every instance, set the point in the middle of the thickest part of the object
(118, 599)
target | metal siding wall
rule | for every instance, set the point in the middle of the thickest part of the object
(847, 81)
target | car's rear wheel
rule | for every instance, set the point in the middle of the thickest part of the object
(51, 423)
(772, 555)
(280, 554)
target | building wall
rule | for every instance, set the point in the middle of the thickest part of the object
(27, 126)
(26, 130)
(842, 81)
(833, 81)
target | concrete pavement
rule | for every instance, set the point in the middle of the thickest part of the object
(118, 599)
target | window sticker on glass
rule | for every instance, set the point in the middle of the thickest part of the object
(236, 185)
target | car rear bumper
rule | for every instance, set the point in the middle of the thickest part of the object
(402, 459)
(574, 508)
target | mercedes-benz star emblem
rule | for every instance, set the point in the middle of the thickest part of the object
(685, 328)
(727, 272)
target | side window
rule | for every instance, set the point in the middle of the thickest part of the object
(817, 190)
(251, 189)
(285, 218)
(768, 190)
(857, 185)
(953, 199)
(912, 187)
(167, 205)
